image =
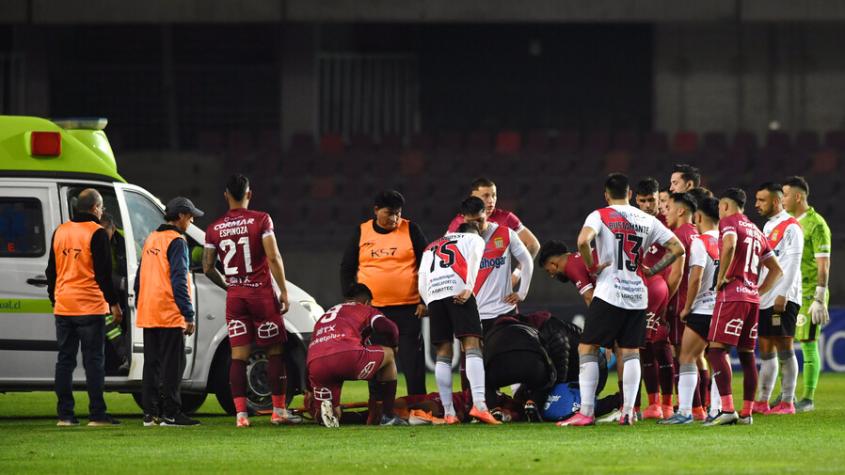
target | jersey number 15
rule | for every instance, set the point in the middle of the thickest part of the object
(446, 252)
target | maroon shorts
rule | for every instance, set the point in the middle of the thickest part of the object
(656, 329)
(256, 320)
(735, 324)
(326, 374)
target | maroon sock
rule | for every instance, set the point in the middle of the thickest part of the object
(666, 370)
(277, 378)
(704, 386)
(649, 369)
(749, 375)
(237, 383)
(676, 371)
(388, 396)
(717, 357)
(638, 398)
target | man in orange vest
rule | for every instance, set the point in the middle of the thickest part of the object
(80, 287)
(384, 254)
(166, 313)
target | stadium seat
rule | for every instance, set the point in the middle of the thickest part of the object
(597, 142)
(361, 143)
(209, 141)
(807, 141)
(479, 142)
(778, 140)
(835, 139)
(568, 141)
(537, 142)
(331, 145)
(240, 142)
(422, 141)
(617, 161)
(450, 142)
(715, 142)
(824, 162)
(301, 144)
(508, 142)
(744, 141)
(268, 140)
(411, 163)
(322, 187)
(391, 143)
(685, 142)
(655, 142)
(626, 140)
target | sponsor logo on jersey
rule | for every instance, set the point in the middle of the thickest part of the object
(495, 262)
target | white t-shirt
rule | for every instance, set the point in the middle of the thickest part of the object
(449, 266)
(623, 235)
(493, 283)
(699, 257)
(788, 251)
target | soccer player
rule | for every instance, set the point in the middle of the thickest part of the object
(502, 246)
(337, 354)
(485, 189)
(779, 307)
(697, 310)
(663, 202)
(566, 266)
(684, 178)
(244, 241)
(447, 276)
(617, 312)
(742, 248)
(815, 272)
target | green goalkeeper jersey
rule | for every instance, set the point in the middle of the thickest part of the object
(816, 244)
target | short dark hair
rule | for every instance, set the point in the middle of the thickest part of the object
(771, 187)
(685, 199)
(87, 199)
(665, 189)
(647, 186)
(617, 186)
(481, 181)
(468, 228)
(358, 291)
(551, 249)
(389, 199)
(736, 195)
(172, 216)
(710, 207)
(798, 182)
(688, 172)
(237, 186)
(471, 206)
(699, 193)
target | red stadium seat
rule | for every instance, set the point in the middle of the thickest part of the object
(655, 142)
(807, 141)
(537, 142)
(835, 139)
(626, 140)
(597, 142)
(332, 145)
(568, 141)
(715, 142)
(361, 143)
(301, 144)
(391, 143)
(824, 162)
(744, 141)
(685, 142)
(617, 161)
(411, 163)
(479, 142)
(450, 141)
(508, 142)
(778, 140)
(322, 187)
(422, 142)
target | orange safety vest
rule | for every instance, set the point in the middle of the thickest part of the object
(156, 304)
(77, 292)
(388, 266)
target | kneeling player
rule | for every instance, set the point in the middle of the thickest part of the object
(337, 354)
(698, 309)
(446, 280)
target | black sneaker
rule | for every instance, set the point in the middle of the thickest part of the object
(179, 420)
(532, 414)
(150, 420)
(102, 422)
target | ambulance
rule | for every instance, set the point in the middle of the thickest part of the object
(43, 167)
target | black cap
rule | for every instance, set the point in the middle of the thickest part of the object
(180, 204)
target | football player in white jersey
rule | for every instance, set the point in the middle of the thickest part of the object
(779, 306)
(617, 313)
(447, 275)
(698, 307)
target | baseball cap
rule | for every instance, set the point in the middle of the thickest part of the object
(180, 204)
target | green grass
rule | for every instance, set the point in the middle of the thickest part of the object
(30, 442)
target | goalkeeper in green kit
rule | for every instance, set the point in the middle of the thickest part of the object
(815, 271)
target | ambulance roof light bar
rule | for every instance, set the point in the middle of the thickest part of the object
(88, 123)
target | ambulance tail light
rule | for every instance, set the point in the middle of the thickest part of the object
(46, 144)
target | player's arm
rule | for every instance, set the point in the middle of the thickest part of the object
(277, 267)
(422, 275)
(676, 272)
(726, 257)
(693, 287)
(588, 296)
(526, 263)
(585, 237)
(790, 262)
(675, 252)
(530, 240)
(775, 273)
(209, 258)
(476, 250)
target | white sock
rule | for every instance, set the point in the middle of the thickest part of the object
(588, 380)
(475, 375)
(443, 376)
(768, 376)
(715, 398)
(789, 374)
(688, 379)
(631, 374)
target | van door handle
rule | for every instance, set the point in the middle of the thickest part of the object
(38, 281)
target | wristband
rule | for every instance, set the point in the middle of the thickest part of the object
(517, 272)
(819, 296)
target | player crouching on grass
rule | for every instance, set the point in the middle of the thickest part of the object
(337, 354)
(447, 276)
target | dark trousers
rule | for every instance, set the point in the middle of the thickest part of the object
(410, 359)
(164, 363)
(89, 331)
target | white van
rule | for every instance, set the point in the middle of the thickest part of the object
(43, 167)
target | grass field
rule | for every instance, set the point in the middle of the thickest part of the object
(30, 442)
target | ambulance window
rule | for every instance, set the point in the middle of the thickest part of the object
(21, 228)
(146, 217)
(109, 203)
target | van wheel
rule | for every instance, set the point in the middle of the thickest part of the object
(190, 401)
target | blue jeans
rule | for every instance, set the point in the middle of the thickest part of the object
(90, 332)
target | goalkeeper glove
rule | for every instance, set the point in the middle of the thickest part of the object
(818, 311)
